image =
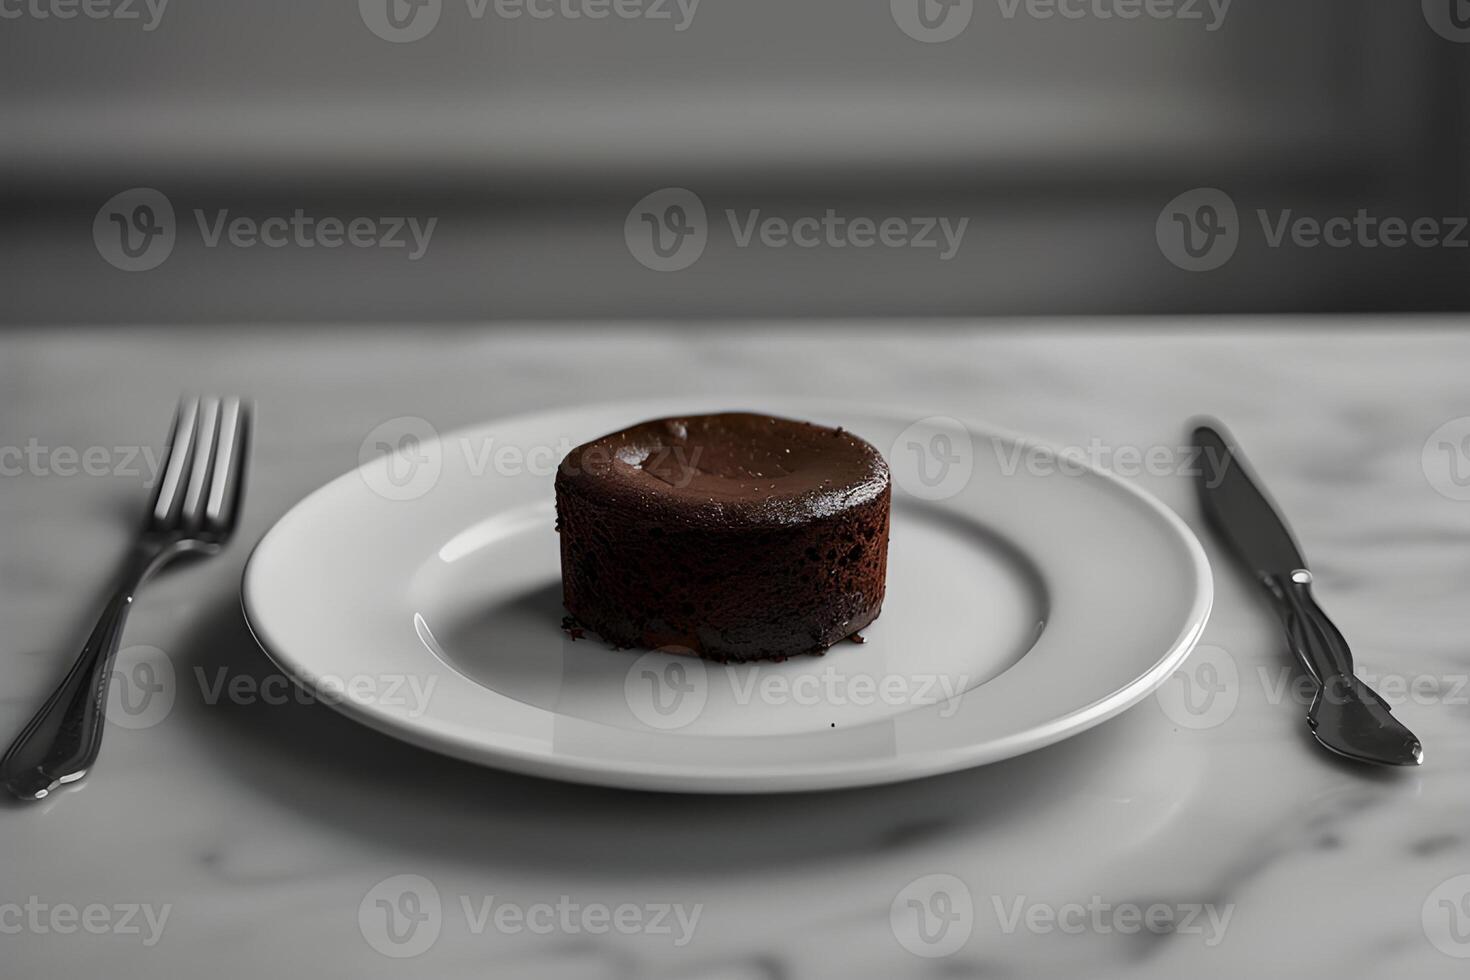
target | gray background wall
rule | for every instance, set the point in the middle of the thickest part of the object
(529, 140)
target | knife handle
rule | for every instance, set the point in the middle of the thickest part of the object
(1347, 716)
(1315, 640)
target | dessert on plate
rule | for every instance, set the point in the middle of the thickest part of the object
(735, 536)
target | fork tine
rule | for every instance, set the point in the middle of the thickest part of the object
(206, 433)
(231, 458)
(168, 496)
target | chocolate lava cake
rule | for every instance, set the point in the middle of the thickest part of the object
(738, 536)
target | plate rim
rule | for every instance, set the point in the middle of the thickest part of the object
(868, 771)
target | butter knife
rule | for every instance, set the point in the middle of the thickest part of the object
(1346, 715)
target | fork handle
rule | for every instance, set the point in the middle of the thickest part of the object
(61, 742)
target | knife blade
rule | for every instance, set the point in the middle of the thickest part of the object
(1346, 715)
(1239, 511)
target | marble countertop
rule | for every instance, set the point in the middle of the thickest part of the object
(244, 838)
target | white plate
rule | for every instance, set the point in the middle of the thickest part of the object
(1026, 602)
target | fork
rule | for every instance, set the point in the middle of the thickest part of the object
(194, 510)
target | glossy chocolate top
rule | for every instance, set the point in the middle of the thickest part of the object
(735, 469)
